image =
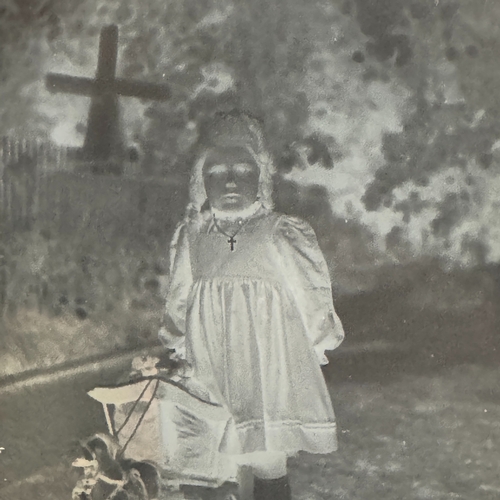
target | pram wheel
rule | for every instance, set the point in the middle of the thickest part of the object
(107, 476)
(146, 475)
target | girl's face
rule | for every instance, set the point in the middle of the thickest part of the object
(231, 179)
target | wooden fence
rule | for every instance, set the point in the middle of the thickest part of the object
(37, 176)
(42, 191)
(22, 163)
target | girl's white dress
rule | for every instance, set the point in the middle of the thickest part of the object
(257, 321)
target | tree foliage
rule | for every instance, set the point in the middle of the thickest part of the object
(312, 70)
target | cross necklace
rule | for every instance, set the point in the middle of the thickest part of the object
(231, 239)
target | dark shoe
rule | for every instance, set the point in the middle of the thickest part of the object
(272, 489)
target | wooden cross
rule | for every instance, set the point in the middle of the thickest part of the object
(103, 137)
(232, 242)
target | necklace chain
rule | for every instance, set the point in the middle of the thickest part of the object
(231, 239)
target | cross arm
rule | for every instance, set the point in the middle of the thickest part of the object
(142, 90)
(57, 83)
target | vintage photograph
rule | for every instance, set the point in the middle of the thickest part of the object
(249, 249)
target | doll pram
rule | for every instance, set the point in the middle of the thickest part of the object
(162, 435)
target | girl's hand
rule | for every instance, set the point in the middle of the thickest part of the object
(170, 340)
(178, 354)
(182, 369)
(185, 370)
(176, 365)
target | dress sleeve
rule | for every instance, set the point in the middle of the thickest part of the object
(179, 286)
(306, 273)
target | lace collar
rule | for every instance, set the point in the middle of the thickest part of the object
(246, 213)
(241, 216)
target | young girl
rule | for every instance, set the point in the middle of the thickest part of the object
(250, 301)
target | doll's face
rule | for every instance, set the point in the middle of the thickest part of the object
(231, 179)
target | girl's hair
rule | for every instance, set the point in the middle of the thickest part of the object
(239, 128)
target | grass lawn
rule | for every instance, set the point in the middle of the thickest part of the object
(420, 437)
(414, 437)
